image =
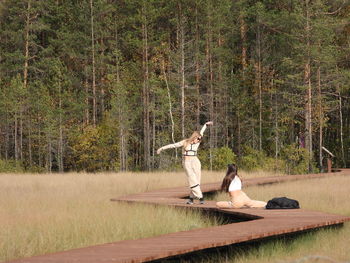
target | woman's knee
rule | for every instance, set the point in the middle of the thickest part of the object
(223, 204)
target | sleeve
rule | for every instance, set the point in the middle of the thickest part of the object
(172, 146)
(203, 129)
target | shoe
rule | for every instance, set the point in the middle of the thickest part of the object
(201, 201)
(190, 201)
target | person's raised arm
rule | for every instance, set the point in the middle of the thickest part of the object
(171, 146)
(205, 126)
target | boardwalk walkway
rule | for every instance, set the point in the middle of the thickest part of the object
(261, 224)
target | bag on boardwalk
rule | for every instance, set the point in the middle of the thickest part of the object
(282, 203)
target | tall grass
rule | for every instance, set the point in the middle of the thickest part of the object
(46, 213)
(326, 245)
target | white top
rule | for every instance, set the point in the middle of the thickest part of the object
(235, 185)
(191, 149)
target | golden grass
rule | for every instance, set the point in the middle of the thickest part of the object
(327, 245)
(54, 212)
(46, 213)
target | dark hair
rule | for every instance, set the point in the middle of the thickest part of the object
(230, 175)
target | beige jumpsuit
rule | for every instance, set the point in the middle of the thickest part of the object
(191, 164)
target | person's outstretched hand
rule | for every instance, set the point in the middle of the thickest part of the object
(159, 150)
(209, 123)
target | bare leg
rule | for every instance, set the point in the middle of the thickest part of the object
(253, 203)
(256, 204)
(224, 204)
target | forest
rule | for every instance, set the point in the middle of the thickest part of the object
(100, 85)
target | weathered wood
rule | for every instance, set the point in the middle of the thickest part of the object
(262, 224)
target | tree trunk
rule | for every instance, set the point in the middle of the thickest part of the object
(210, 80)
(153, 137)
(259, 85)
(223, 101)
(7, 137)
(276, 120)
(21, 134)
(219, 99)
(308, 97)
(197, 74)
(123, 155)
(87, 115)
(30, 142)
(94, 96)
(239, 138)
(60, 139)
(102, 100)
(243, 35)
(182, 69)
(39, 148)
(15, 137)
(340, 103)
(170, 105)
(341, 130)
(25, 74)
(49, 154)
(243, 31)
(26, 46)
(308, 114)
(320, 116)
(146, 115)
(253, 134)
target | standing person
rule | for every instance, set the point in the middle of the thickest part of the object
(232, 184)
(190, 161)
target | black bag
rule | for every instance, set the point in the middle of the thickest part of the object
(282, 203)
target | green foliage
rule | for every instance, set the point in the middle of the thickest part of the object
(296, 159)
(169, 162)
(94, 149)
(252, 159)
(138, 55)
(35, 169)
(220, 157)
(293, 160)
(11, 166)
(275, 165)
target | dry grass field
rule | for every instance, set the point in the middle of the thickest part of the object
(46, 213)
(54, 212)
(323, 246)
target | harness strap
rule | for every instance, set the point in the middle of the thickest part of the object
(190, 150)
(190, 154)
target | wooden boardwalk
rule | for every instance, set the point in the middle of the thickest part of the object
(262, 224)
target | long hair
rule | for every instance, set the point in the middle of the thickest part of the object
(194, 135)
(230, 175)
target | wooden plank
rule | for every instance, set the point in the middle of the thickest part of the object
(263, 223)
